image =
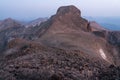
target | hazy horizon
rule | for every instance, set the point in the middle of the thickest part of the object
(31, 9)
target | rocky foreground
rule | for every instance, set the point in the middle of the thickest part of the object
(65, 47)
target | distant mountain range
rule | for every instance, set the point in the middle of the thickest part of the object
(11, 29)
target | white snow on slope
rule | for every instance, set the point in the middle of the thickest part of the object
(102, 54)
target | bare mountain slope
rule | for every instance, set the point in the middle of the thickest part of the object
(68, 30)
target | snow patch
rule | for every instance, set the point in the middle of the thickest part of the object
(102, 54)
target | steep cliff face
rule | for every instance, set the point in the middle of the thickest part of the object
(114, 37)
(66, 48)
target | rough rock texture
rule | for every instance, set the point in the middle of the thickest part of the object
(114, 37)
(9, 29)
(34, 61)
(65, 48)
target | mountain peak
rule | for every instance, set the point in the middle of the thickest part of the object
(9, 22)
(9, 18)
(69, 10)
(67, 19)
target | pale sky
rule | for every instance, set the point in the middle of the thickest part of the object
(32, 9)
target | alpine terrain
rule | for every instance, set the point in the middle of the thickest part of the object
(63, 47)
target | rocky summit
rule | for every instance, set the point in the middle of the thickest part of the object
(63, 47)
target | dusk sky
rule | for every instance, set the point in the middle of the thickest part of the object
(32, 9)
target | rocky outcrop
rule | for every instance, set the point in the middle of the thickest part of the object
(71, 16)
(96, 27)
(114, 37)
